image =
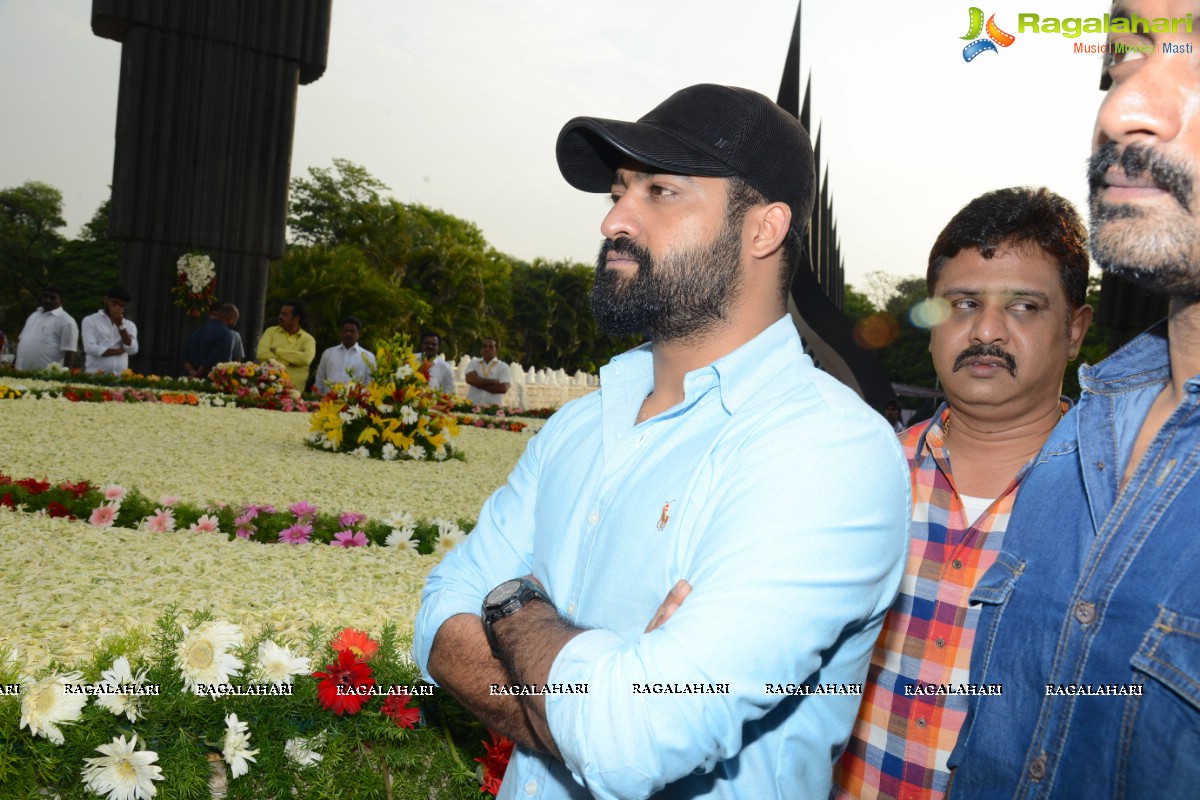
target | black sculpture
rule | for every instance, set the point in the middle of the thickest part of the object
(205, 117)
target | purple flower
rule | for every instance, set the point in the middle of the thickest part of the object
(303, 510)
(349, 539)
(245, 533)
(349, 519)
(246, 519)
(296, 534)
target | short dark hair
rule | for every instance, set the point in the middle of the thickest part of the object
(298, 310)
(52, 290)
(427, 334)
(355, 321)
(118, 293)
(492, 339)
(741, 198)
(1021, 215)
(892, 404)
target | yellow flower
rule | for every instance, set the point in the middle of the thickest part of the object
(368, 435)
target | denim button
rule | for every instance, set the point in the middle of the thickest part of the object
(1037, 770)
(1085, 612)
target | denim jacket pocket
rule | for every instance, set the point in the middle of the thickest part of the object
(997, 583)
(1170, 653)
(1160, 733)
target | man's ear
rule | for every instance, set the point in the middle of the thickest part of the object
(1081, 320)
(768, 228)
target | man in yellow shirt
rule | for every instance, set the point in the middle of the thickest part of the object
(288, 344)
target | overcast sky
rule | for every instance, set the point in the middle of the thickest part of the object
(457, 105)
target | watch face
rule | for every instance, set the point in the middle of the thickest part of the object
(502, 592)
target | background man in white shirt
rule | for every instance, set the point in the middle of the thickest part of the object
(348, 362)
(488, 377)
(108, 338)
(441, 376)
(50, 335)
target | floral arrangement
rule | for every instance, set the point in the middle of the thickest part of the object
(491, 423)
(92, 394)
(126, 378)
(300, 523)
(10, 393)
(501, 412)
(203, 709)
(394, 418)
(248, 379)
(195, 288)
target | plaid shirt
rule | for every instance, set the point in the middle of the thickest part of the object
(900, 743)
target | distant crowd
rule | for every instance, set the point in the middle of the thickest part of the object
(51, 336)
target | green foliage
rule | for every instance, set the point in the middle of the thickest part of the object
(88, 266)
(30, 216)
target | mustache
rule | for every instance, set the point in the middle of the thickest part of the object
(986, 351)
(1137, 159)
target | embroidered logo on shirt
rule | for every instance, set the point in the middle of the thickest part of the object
(665, 517)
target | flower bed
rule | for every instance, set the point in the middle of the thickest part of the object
(208, 708)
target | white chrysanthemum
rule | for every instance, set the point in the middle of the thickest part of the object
(304, 751)
(120, 676)
(236, 747)
(345, 416)
(389, 452)
(449, 535)
(407, 415)
(203, 656)
(277, 665)
(404, 540)
(123, 773)
(360, 452)
(404, 371)
(416, 452)
(400, 519)
(440, 453)
(46, 703)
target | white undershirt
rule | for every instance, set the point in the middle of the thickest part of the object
(975, 506)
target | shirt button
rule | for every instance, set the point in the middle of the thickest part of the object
(920, 722)
(1037, 770)
(1085, 612)
(531, 788)
(571, 608)
(1100, 465)
(956, 563)
(594, 517)
(940, 642)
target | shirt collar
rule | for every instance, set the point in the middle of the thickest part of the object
(1144, 361)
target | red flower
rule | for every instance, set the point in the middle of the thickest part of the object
(5, 480)
(34, 486)
(356, 641)
(74, 398)
(7, 500)
(341, 683)
(396, 707)
(77, 489)
(57, 509)
(495, 762)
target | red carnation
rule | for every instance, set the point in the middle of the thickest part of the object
(396, 707)
(77, 489)
(341, 683)
(57, 509)
(7, 500)
(495, 762)
(34, 486)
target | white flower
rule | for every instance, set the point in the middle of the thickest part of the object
(236, 747)
(416, 452)
(345, 416)
(121, 675)
(203, 656)
(361, 452)
(440, 453)
(408, 416)
(403, 372)
(389, 452)
(47, 703)
(277, 664)
(404, 540)
(400, 519)
(303, 751)
(123, 773)
(449, 535)
(385, 408)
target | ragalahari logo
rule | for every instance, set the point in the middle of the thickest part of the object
(995, 36)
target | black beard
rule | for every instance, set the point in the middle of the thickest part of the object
(683, 298)
(1159, 253)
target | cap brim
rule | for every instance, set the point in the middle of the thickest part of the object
(589, 150)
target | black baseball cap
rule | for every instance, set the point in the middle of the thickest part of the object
(709, 130)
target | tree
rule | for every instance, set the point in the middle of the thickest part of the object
(88, 266)
(332, 205)
(30, 216)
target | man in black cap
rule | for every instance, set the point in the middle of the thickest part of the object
(716, 467)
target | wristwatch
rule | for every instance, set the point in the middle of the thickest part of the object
(505, 600)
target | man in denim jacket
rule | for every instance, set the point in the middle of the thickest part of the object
(1091, 613)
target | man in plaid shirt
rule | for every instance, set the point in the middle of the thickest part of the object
(1007, 281)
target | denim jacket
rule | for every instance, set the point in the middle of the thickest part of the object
(1091, 613)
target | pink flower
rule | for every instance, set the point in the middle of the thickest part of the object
(104, 515)
(206, 524)
(245, 533)
(168, 500)
(247, 518)
(303, 510)
(349, 539)
(350, 519)
(161, 521)
(296, 534)
(114, 493)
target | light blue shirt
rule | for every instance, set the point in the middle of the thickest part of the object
(788, 513)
